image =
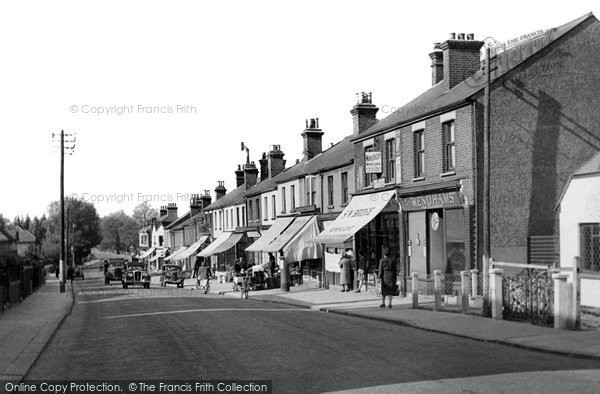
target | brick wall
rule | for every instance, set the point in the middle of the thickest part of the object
(544, 125)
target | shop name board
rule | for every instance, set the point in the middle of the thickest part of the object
(429, 201)
(373, 163)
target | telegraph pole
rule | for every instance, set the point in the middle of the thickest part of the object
(62, 265)
(486, 182)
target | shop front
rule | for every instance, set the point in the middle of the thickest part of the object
(437, 232)
(369, 225)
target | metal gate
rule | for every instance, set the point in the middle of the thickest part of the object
(529, 295)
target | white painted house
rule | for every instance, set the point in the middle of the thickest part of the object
(580, 228)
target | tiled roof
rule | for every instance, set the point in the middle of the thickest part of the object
(436, 99)
(23, 237)
(234, 197)
(591, 166)
(177, 222)
(338, 155)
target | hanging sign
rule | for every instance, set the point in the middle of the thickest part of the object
(373, 163)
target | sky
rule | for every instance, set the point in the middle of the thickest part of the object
(159, 95)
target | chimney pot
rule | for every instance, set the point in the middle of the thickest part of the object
(452, 36)
(470, 36)
(461, 36)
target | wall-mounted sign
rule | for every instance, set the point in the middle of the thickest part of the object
(431, 201)
(435, 221)
(373, 163)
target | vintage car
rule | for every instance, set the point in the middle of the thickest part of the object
(114, 271)
(171, 274)
(135, 274)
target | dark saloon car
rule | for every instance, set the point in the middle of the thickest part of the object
(114, 271)
(171, 274)
(135, 274)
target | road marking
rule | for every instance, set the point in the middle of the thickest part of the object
(212, 310)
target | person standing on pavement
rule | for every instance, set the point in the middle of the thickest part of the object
(352, 269)
(363, 266)
(345, 263)
(387, 277)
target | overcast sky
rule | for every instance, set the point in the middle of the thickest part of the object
(221, 72)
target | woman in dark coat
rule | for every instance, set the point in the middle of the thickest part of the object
(345, 263)
(387, 277)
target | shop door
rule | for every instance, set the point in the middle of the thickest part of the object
(435, 237)
(417, 243)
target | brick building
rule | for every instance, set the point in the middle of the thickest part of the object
(544, 124)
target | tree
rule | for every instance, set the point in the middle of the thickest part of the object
(86, 233)
(119, 232)
(39, 232)
(143, 213)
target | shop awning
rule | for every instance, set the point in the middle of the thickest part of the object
(159, 254)
(299, 248)
(286, 236)
(359, 212)
(213, 245)
(269, 235)
(175, 256)
(146, 253)
(253, 234)
(193, 248)
(229, 243)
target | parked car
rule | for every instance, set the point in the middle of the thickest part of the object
(135, 274)
(171, 274)
(115, 270)
(78, 272)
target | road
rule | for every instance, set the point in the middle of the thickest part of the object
(174, 334)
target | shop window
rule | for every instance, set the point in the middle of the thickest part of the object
(455, 240)
(589, 235)
(449, 146)
(344, 188)
(330, 190)
(419, 153)
(390, 158)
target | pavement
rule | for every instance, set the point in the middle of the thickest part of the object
(27, 327)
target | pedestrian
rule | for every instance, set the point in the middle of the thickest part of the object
(363, 267)
(56, 270)
(353, 269)
(272, 265)
(387, 278)
(70, 274)
(106, 280)
(345, 263)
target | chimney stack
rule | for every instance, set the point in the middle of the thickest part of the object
(264, 167)
(239, 176)
(163, 211)
(220, 190)
(363, 113)
(171, 212)
(276, 163)
(195, 205)
(206, 199)
(313, 139)
(250, 175)
(437, 64)
(461, 58)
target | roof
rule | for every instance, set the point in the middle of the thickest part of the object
(436, 99)
(192, 220)
(592, 166)
(23, 236)
(177, 222)
(234, 197)
(265, 186)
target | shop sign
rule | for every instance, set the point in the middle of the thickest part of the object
(431, 201)
(373, 163)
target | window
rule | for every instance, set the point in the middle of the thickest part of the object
(590, 247)
(243, 216)
(160, 240)
(273, 210)
(266, 209)
(283, 202)
(293, 196)
(226, 220)
(390, 158)
(310, 190)
(344, 188)
(419, 153)
(237, 216)
(220, 220)
(257, 217)
(449, 148)
(250, 211)
(330, 190)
